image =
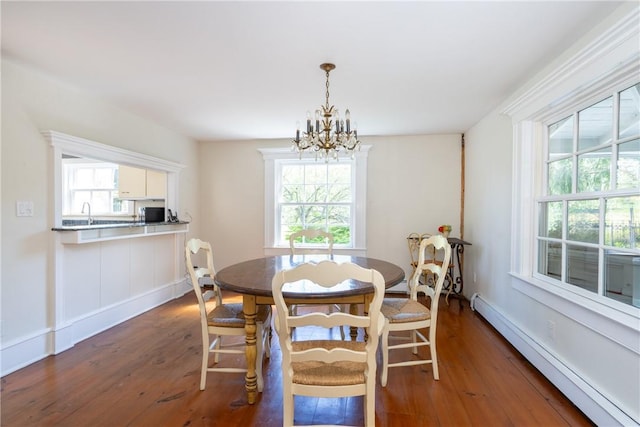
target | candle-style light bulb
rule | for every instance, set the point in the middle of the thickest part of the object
(347, 115)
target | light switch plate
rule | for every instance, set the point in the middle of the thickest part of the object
(24, 208)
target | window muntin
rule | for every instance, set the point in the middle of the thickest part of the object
(589, 219)
(315, 195)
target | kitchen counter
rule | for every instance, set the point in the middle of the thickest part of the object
(78, 232)
(74, 225)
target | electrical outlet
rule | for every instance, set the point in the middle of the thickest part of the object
(475, 279)
(551, 329)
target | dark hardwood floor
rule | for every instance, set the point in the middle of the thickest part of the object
(145, 372)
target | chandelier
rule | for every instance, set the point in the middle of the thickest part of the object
(329, 134)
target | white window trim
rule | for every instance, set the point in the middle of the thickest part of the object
(270, 155)
(541, 103)
(73, 145)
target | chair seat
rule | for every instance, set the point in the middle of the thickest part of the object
(231, 315)
(328, 374)
(403, 310)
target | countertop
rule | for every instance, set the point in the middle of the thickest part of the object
(98, 224)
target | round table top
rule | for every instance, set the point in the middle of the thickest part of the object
(254, 277)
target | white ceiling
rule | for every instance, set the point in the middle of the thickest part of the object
(249, 70)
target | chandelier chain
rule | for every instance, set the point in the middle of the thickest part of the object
(327, 86)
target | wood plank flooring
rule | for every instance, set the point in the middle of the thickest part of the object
(146, 371)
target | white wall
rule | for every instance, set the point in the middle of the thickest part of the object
(32, 103)
(413, 185)
(593, 359)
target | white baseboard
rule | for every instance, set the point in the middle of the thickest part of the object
(27, 350)
(586, 397)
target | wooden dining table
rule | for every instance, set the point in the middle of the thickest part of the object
(252, 279)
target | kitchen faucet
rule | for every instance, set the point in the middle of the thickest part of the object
(89, 219)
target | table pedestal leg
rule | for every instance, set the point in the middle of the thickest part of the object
(251, 380)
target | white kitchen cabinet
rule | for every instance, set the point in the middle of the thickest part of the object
(138, 183)
(156, 184)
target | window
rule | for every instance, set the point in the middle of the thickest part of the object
(93, 182)
(305, 193)
(589, 219)
(315, 195)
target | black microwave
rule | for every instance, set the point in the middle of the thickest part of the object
(154, 215)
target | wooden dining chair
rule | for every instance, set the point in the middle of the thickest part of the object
(223, 319)
(310, 241)
(328, 368)
(410, 314)
(414, 240)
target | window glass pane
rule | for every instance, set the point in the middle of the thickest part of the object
(82, 178)
(628, 172)
(622, 222)
(629, 112)
(291, 215)
(561, 138)
(551, 220)
(104, 178)
(341, 234)
(338, 215)
(315, 217)
(315, 193)
(622, 278)
(292, 174)
(594, 170)
(582, 267)
(77, 200)
(101, 201)
(595, 124)
(559, 175)
(583, 220)
(550, 259)
(340, 174)
(340, 193)
(316, 174)
(291, 193)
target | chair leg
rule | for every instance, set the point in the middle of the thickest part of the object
(385, 357)
(287, 408)
(217, 346)
(205, 363)
(414, 339)
(370, 403)
(267, 338)
(434, 354)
